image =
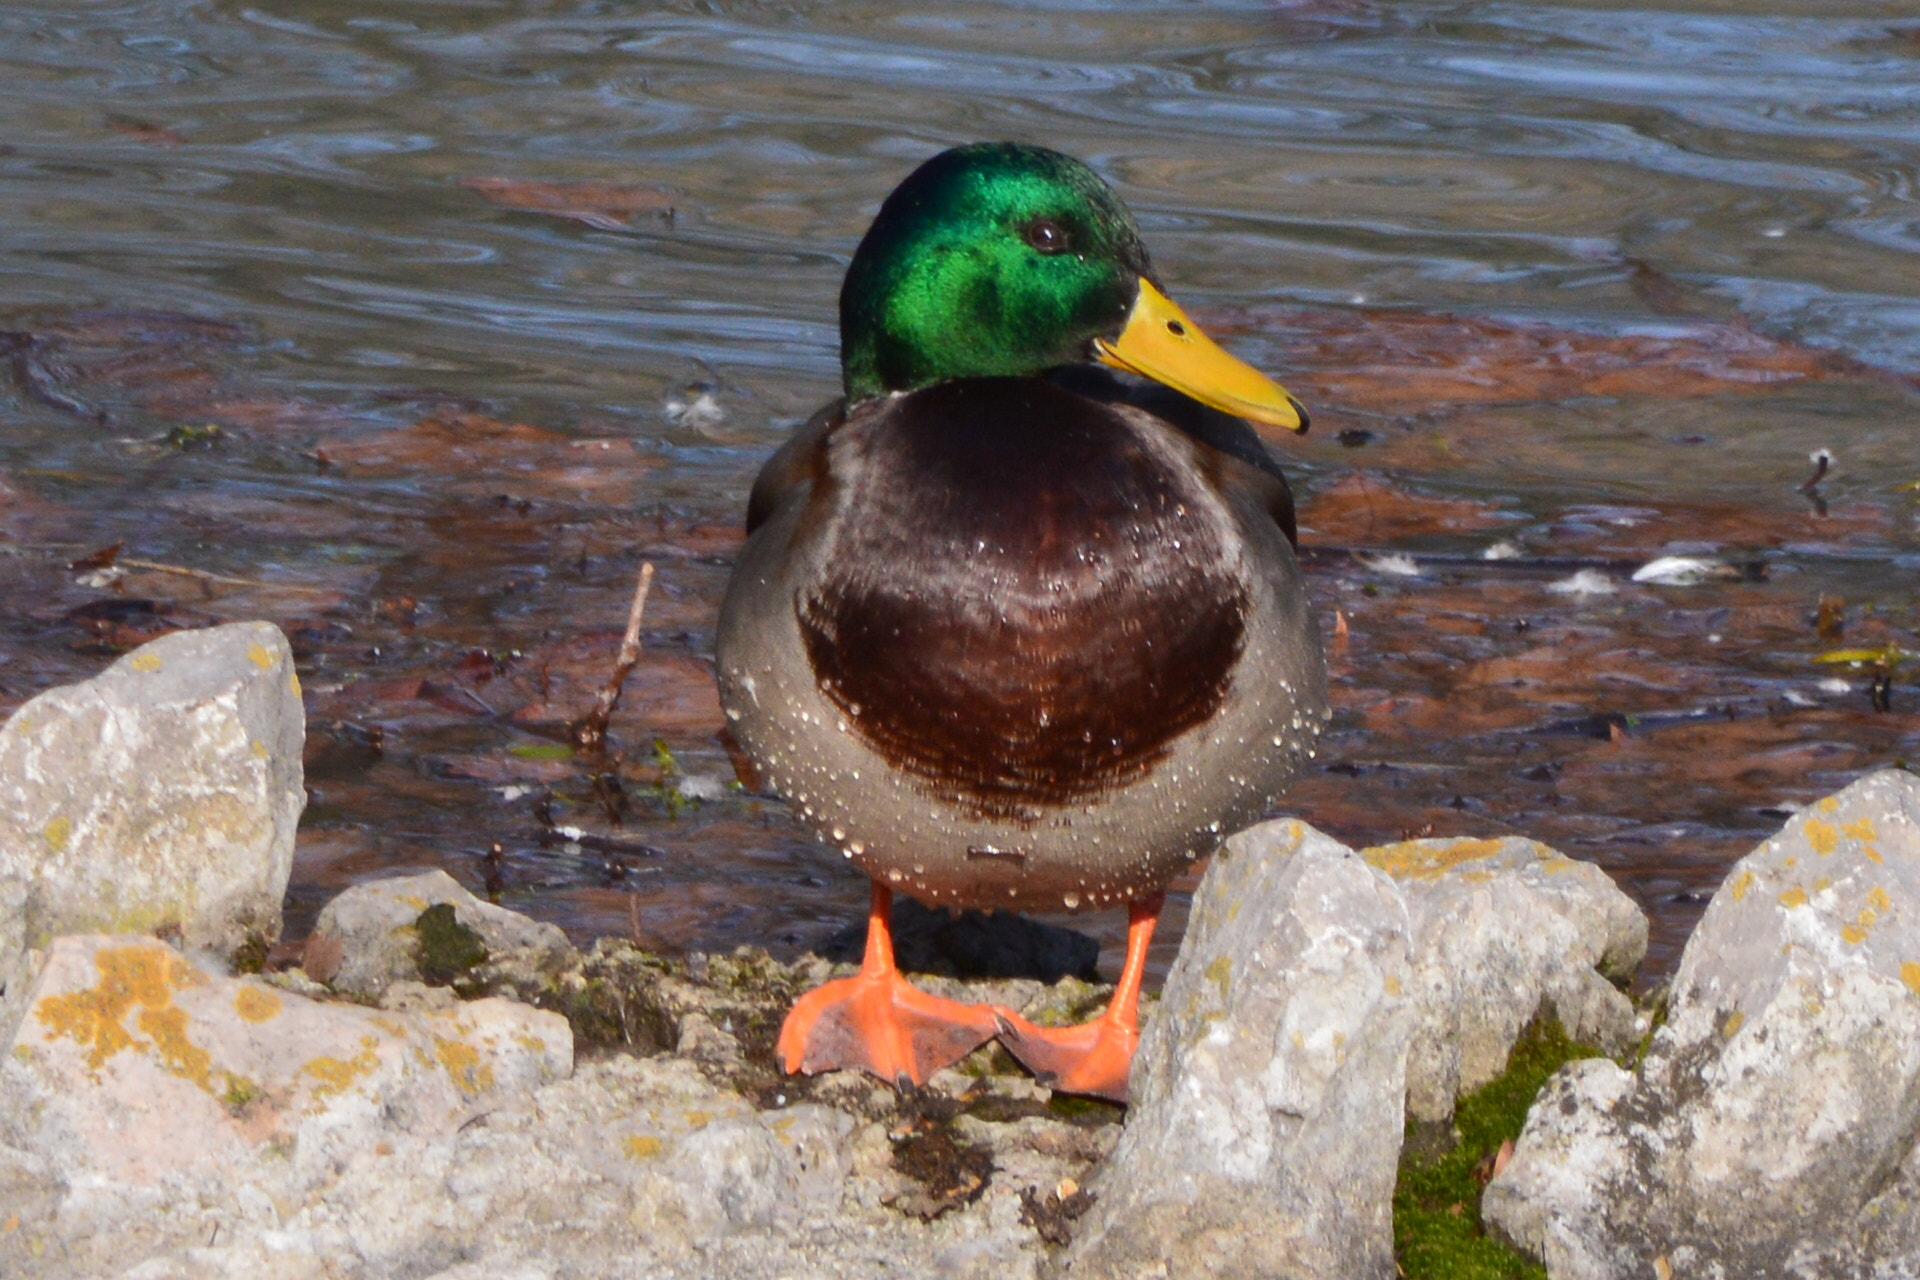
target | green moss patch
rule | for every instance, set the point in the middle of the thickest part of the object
(448, 949)
(1436, 1204)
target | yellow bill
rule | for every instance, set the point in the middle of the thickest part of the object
(1159, 342)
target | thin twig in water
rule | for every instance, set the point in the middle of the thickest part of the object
(1822, 462)
(590, 734)
(201, 575)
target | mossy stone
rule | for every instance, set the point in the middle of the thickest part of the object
(449, 950)
(1436, 1203)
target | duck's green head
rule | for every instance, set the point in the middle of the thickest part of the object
(999, 260)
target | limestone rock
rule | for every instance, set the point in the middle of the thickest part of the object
(142, 1078)
(370, 936)
(631, 1165)
(134, 1064)
(162, 793)
(1265, 1127)
(1504, 931)
(1771, 1130)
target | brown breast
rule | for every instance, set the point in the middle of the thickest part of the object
(1029, 596)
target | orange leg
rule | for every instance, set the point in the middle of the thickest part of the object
(1094, 1057)
(877, 1021)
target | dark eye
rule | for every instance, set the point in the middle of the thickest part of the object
(1048, 236)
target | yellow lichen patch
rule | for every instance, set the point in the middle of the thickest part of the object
(1742, 883)
(146, 976)
(398, 1030)
(259, 656)
(336, 1074)
(1427, 859)
(1823, 836)
(293, 682)
(58, 833)
(1910, 974)
(260, 751)
(1392, 984)
(1860, 829)
(1877, 898)
(256, 1003)
(1822, 884)
(644, 1146)
(463, 1066)
(168, 1030)
(698, 1119)
(1852, 934)
(1828, 805)
(1220, 973)
(530, 1042)
(144, 662)
(1871, 854)
(1734, 1022)
(11, 1224)
(1794, 897)
(1662, 1269)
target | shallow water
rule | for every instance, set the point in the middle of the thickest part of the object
(490, 303)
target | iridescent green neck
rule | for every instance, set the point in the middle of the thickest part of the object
(990, 260)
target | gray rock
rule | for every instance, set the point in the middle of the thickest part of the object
(236, 1128)
(367, 938)
(1506, 931)
(1265, 1128)
(1771, 1129)
(162, 794)
(169, 1097)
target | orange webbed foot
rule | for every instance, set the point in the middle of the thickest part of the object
(879, 1022)
(1093, 1058)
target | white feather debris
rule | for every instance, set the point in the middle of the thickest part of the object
(702, 786)
(1502, 550)
(1587, 582)
(1398, 565)
(696, 408)
(1678, 571)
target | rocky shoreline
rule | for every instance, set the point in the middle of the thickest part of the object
(447, 1089)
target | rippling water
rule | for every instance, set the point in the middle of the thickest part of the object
(1593, 281)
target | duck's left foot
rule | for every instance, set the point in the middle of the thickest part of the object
(1092, 1058)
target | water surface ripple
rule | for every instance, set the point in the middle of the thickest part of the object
(488, 303)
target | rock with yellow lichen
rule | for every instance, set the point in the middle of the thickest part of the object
(1771, 1129)
(160, 795)
(159, 1122)
(1265, 1127)
(1506, 932)
(142, 1078)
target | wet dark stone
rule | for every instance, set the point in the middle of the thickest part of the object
(975, 944)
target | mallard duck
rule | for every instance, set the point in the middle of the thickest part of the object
(1010, 629)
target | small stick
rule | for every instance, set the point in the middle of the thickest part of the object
(201, 575)
(1822, 461)
(590, 734)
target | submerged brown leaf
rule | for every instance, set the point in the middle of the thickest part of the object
(598, 204)
(1366, 509)
(1405, 362)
